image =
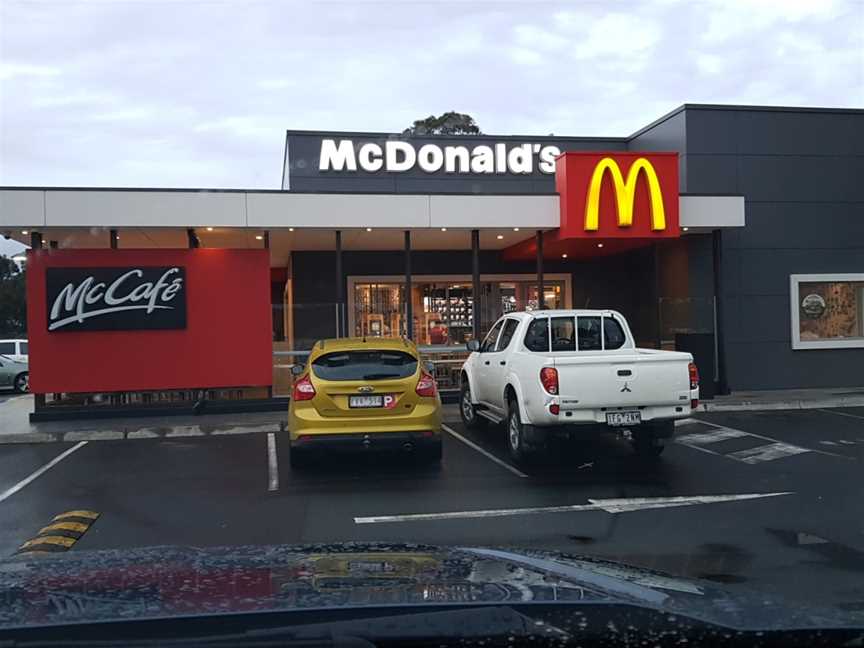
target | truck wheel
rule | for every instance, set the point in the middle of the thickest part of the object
(516, 434)
(468, 412)
(647, 446)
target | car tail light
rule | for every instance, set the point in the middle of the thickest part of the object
(554, 409)
(303, 389)
(549, 378)
(694, 375)
(426, 385)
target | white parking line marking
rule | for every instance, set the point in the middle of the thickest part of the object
(34, 475)
(687, 421)
(620, 505)
(485, 453)
(855, 416)
(767, 453)
(272, 462)
(831, 443)
(703, 438)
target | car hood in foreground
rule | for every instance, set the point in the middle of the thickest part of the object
(159, 582)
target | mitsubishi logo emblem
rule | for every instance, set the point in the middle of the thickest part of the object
(626, 388)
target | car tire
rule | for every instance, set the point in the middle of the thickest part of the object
(519, 452)
(647, 446)
(468, 411)
(21, 383)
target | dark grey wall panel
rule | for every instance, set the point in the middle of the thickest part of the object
(712, 132)
(801, 174)
(774, 365)
(666, 135)
(803, 225)
(712, 174)
(801, 178)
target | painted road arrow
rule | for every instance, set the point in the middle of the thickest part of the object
(619, 505)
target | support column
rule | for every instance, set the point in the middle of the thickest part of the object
(541, 293)
(36, 240)
(719, 340)
(36, 244)
(475, 283)
(193, 239)
(658, 296)
(340, 297)
(409, 302)
(113, 240)
(266, 240)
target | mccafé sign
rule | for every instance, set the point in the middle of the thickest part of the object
(112, 299)
(399, 156)
(618, 195)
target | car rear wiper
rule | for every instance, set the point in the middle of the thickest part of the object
(380, 376)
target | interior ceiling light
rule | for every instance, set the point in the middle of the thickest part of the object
(599, 245)
(500, 236)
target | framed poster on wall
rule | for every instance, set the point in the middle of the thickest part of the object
(827, 310)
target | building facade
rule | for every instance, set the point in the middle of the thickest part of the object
(734, 232)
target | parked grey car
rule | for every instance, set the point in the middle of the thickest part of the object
(14, 374)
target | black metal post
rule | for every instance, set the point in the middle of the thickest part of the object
(193, 238)
(112, 238)
(36, 244)
(53, 245)
(409, 306)
(339, 285)
(541, 293)
(36, 240)
(475, 284)
(657, 296)
(266, 240)
(717, 257)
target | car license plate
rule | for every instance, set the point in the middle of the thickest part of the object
(366, 401)
(617, 419)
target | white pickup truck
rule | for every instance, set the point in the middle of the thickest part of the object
(574, 372)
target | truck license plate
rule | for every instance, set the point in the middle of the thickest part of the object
(366, 401)
(618, 419)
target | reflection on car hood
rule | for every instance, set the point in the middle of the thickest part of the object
(172, 581)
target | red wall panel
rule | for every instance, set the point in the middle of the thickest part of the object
(227, 341)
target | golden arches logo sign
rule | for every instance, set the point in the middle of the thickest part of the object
(625, 193)
(618, 194)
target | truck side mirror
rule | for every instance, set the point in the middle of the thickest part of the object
(473, 345)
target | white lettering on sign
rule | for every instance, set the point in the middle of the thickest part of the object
(92, 299)
(398, 156)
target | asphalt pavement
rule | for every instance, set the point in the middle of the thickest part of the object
(790, 519)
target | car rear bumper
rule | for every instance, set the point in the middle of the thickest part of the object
(307, 422)
(387, 441)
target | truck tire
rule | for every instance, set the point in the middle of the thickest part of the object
(519, 451)
(646, 445)
(467, 410)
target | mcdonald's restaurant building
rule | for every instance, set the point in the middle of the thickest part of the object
(736, 233)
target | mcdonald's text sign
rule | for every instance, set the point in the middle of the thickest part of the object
(618, 195)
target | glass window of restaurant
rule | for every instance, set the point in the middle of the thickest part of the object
(443, 307)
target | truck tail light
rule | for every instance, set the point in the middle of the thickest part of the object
(694, 375)
(303, 389)
(426, 385)
(549, 379)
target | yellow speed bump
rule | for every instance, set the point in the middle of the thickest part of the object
(90, 515)
(52, 540)
(77, 527)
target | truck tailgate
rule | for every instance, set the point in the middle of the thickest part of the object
(633, 378)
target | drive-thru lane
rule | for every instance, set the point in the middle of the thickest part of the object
(220, 491)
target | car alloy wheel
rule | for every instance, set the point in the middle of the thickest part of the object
(514, 432)
(22, 383)
(467, 407)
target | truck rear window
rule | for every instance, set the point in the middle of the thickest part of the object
(364, 365)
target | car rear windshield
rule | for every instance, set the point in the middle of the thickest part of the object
(364, 365)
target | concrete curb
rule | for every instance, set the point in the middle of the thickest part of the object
(181, 431)
(793, 404)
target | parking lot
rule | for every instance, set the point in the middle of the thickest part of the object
(751, 499)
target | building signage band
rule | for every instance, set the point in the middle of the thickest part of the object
(116, 299)
(399, 156)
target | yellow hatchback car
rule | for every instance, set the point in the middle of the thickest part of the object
(364, 394)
